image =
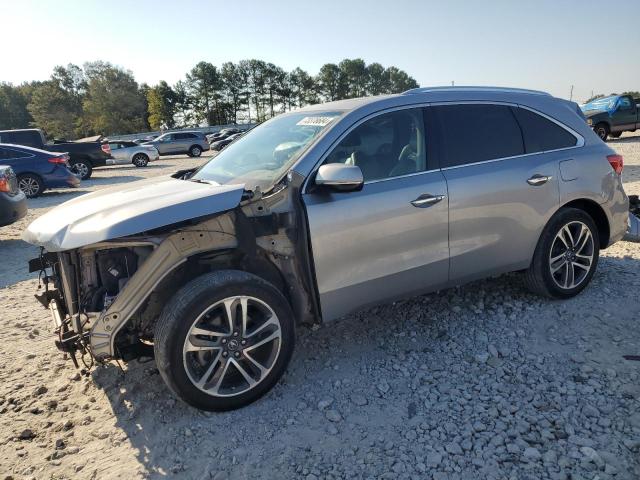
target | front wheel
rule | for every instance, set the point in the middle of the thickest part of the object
(82, 168)
(224, 340)
(566, 256)
(140, 160)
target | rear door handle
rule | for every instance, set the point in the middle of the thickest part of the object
(426, 200)
(538, 179)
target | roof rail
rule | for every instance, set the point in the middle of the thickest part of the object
(474, 89)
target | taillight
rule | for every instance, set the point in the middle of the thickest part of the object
(106, 148)
(4, 185)
(616, 162)
(62, 160)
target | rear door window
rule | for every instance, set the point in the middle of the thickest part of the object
(541, 134)
(10, 154)
(471, 133)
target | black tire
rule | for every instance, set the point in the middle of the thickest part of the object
(31, 185)
(185, 311)
(82, 168)
(140, 160)
(602, 130)
(195, 151)
(539, 277)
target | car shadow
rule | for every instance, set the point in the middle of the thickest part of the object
(421, 329)
(14, 261)
(631, 173)
(149, 166)
(629, 139)
(111, 180)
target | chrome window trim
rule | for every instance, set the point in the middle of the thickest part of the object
(356, 125)
(579, 138)
(26, 155)
(580, 142)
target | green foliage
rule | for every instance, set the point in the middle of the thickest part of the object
(13, 106)
(113, 102)
(161, 101)
(100, 98)
(55, 110)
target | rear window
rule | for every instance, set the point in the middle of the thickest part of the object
(8, 154)
(182, 136)
(541, 134)
(474, 133)
(29, 138)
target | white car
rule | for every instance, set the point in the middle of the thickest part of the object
(130, 152)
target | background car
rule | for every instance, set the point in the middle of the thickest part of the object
(84, 154)
(610, 116)
(222, 134)
(13, 202)
(173, 143)
(124, 152)
(148, 138)
(220, 144)
(38, 169)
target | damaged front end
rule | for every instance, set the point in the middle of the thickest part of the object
(106, 297)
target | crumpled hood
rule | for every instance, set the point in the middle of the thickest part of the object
(128, 209)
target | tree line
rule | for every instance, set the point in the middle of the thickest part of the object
(100, 98)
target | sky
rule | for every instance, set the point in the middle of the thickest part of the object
(543, 44)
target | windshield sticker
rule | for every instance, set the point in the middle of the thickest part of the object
(315, 121)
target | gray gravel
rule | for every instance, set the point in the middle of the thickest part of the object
(481, 382)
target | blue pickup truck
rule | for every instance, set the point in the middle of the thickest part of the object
(610, 116)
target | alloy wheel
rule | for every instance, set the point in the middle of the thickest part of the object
(232, 346)
(80, 169)
(139, 160)
(29, 186)
(571, 256)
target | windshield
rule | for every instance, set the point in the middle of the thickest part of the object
(606, 103)
(263, 155)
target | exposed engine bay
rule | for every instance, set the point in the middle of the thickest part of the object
(105, 298)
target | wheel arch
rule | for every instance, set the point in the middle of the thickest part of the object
(201, 264)
(597, 213)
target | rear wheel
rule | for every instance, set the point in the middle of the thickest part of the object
(30, 184)
(602, 130)
(224, 340)
(566, 256)
(140, 160)
(195, 151)
(82, 168)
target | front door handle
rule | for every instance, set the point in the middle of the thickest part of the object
(538, 179)
(426, 200)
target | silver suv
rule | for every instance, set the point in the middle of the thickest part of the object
(175, 143)
(320, 212)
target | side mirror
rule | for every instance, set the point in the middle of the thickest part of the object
(341, 177)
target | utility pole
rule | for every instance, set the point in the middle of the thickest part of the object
(571, 93)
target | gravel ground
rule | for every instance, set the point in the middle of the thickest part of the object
(485, 381)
